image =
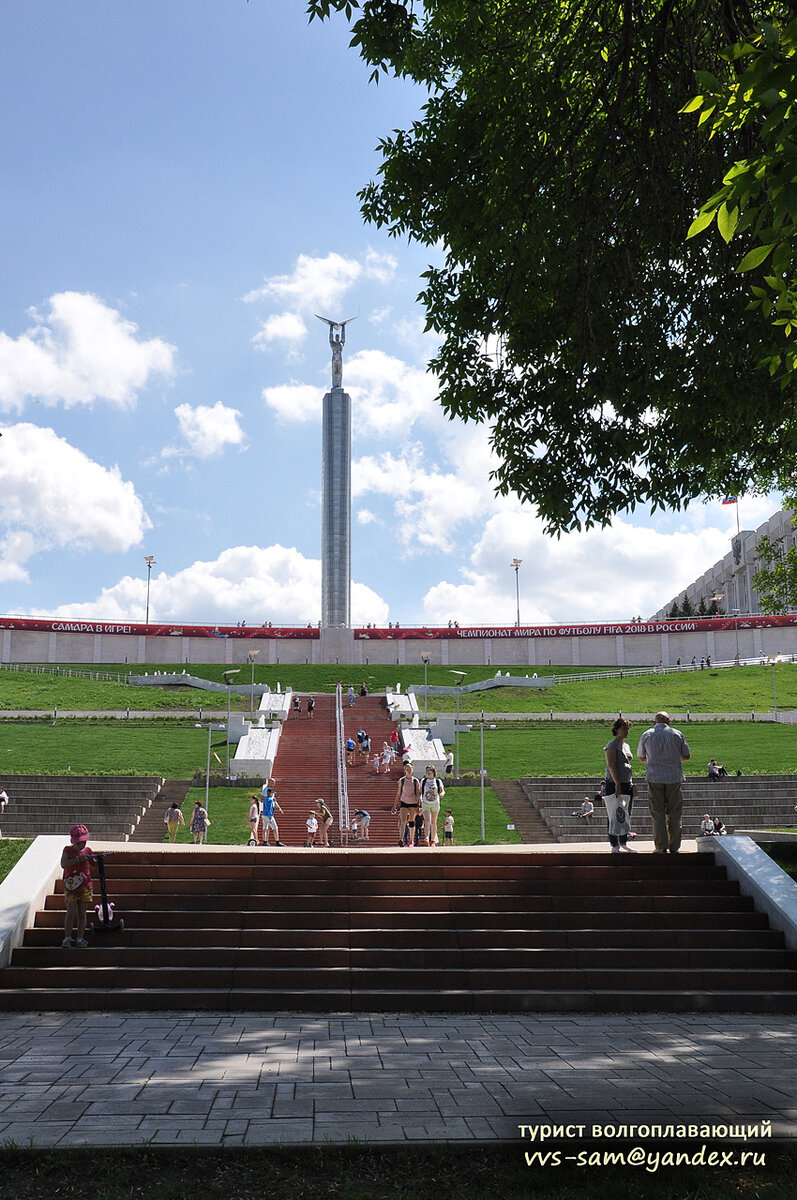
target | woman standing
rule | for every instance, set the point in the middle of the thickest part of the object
(199, 823)
(617, 783)
(432, 791)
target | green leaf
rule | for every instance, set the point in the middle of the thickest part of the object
(755, 258)
(692, 106)
(727, 220)
(701, 222)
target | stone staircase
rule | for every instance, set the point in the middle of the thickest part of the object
(749, 802)
(305, 768)
(449, 930)
(151, 827)
(529, 825)
(111, 806)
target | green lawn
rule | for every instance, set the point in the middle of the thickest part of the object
(576, 748)
(177, 750)
(739, 690)
(735, 690)
(37, 692)
(10, 852)
(105, 747)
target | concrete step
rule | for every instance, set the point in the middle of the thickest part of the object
(499, 930)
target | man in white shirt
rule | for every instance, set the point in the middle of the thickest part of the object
(663, 750)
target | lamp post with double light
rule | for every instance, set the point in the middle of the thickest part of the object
(211, 727)
(516, 564)
(252, 655)
(482, 771)
(149, 559)
(425, 656)
(461, 676)
(228, 680)
(773, 658)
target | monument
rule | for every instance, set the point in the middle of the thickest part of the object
(336, 490)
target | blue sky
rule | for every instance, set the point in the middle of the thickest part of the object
(178, 199)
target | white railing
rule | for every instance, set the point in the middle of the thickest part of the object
(340, 750)
(632, 672)
(64, 672)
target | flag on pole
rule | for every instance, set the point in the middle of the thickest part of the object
(731, 500)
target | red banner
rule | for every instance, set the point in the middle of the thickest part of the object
(617, 629)
(403, 633)
(44, 625)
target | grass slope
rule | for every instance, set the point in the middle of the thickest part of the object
(98, 747)
(576, 748)
(177, 750)
(741, 690)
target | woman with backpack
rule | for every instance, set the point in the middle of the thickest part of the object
(432, 792)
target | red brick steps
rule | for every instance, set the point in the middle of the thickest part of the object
(407, 931)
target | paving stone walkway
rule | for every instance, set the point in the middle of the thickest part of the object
(230, 1080)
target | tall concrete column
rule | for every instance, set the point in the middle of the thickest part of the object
(336, 490)
(336, 510)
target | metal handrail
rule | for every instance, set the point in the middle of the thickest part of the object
(65, 672)
(340, 750)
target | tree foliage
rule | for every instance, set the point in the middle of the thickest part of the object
(776, 578)
(757, 203)
(614, 360)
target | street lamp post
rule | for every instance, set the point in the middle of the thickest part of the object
(425, 656)
(516, 564)
(736, 630)
(228, 680)
(461, 675)
(211, 726)
(149, 559)
(252, 655)
(481, 771)
(773, 658)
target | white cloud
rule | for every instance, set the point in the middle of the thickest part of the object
(250, 583)
(80, 352)
(388, 395)
(315, 283)
(294, 401)
(52, 495)
(366, 517)
(281, 327)
(429, 505)
(597, 575)
(380, 266)
(316, 286)
(208, 430)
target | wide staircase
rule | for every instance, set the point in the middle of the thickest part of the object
(748, 802)
(151, 827)
(111, 806)
(529, 825)
(442, 930)
(305, 769)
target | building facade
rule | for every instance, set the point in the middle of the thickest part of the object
(731, 579)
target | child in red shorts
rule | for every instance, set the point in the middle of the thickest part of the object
(76, 864)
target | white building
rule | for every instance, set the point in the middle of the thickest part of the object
(732, 577)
